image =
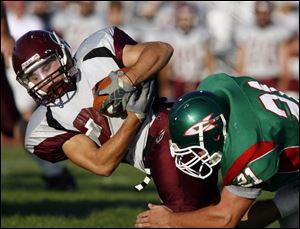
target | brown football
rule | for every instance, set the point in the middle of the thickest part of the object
(100, 99)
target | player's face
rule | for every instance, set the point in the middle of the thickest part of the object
(45, 74)
(262, 18)
(185, 19)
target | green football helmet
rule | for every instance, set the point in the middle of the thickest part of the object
(197, 132)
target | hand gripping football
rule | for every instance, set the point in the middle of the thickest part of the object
(112, 94)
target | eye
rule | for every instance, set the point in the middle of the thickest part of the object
(33, 78)
(47, 67)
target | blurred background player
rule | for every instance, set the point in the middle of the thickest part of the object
(82, 21)
(116, 16)
(14, 116)
(192, 57)
(150, 20)
(262, 49)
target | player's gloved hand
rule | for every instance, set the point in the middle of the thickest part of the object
(118, 92)
(140, 101)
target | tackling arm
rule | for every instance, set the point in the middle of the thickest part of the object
(227, 213)
(82, 151)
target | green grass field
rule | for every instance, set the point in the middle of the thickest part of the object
(107, 202)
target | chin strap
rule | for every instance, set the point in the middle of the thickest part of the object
(145, 182)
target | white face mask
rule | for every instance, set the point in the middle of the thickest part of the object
(192, 163)
(195, 160)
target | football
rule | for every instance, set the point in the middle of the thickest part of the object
(99, 100)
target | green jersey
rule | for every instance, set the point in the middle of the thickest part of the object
(262, 144)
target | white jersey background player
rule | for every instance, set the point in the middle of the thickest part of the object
(66, 126)
(192, 57)
(262, 47)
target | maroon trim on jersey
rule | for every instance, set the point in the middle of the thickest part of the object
(255, 151)
(51, 148)
(52, 122)
(289, 160)
(98, 118)
(120, 40)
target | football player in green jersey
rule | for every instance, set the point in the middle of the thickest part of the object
(248, 129)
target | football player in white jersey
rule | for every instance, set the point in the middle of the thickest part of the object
(66, 126)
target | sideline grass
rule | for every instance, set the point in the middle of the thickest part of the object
(102, 202)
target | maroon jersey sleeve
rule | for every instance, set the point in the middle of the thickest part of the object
(93, 124)
(46, 140)
(51, 150)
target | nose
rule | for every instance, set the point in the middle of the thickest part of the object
(47, 86)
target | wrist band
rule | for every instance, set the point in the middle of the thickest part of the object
(129, 79)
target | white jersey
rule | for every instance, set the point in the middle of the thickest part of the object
(189, 51)
(262, 50)
(80, 27)
(51, 126)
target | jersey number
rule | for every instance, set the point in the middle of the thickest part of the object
(248, 176)
(269, 101)
(93, 130)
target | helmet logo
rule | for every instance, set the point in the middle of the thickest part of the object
(207, 124)
(31, 60)
(186, 106)
(160, 137)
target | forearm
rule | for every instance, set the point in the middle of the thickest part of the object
(227, 213)
(239, 69)
(102, 161)
(152, 59)
(111, 153)
(209, 61)
(284, 78)
(203, 218)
